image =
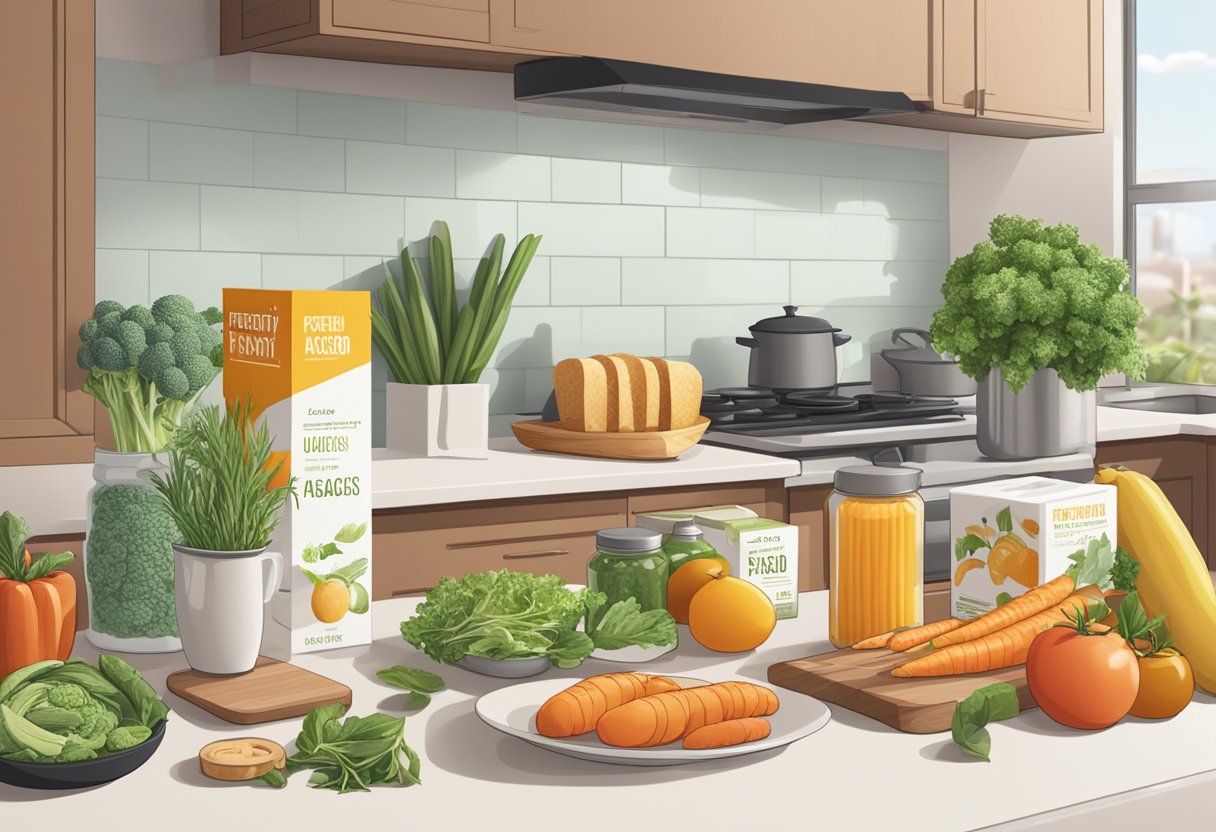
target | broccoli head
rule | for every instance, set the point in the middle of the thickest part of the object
(172, 382)
(141, 315)
(172, 306)
(199, 371)
(160, 333)
(155, 359)
(131, 338)
(88, 331)
(109, 324)
(186, 343)
(105, 307)
(109, 354)
(126, 737)
(84, 357)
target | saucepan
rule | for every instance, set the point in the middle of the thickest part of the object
(922, 370)
(793, 352)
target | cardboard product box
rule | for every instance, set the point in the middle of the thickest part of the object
(1012, 535)
(305, 358)
(761, 551)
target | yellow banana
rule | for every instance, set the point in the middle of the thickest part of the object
(1174, 578)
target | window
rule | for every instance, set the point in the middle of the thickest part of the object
(1171, 182)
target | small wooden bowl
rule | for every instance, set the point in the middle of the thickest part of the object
(652, 444)
(222, 760)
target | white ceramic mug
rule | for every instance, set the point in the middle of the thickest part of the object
(221, 598)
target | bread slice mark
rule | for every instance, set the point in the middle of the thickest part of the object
(637, 388)
(679, 394)
(664, 375)
(581, 388)
(620, 394)
(653, 395)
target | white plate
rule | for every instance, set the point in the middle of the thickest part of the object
(512, 710)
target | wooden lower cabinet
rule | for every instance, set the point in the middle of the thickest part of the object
(75, 545)
(1180, 466)
(807, 511)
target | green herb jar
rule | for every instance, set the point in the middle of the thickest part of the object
(687, 543)
(629, 563)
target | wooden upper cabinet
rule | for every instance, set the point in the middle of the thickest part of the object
(870, 44)
(46, 229)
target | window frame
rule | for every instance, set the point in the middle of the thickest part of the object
(1136, 194)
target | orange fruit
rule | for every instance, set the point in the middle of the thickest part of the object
(685, 581)
(1010, 558)
(330, 601)
(730, 615)
(965, 567)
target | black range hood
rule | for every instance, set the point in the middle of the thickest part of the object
(652, 90)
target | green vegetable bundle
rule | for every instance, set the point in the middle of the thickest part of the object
(435, 340)
(59, 712)
(148, 366)
(1034, 297)
(516, 615)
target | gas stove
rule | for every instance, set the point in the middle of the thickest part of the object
(756, 411)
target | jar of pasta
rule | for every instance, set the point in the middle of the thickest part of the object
(876, 522)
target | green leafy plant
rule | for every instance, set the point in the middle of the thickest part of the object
(440, 341)
(626, 625)
(1125, 571)
(58, 712)
(1033, 297)
(218, 487)
(351, 755)
(420, 683)
(14, 531)
(972, 715)
(1133, 623)
(502, 615)
(149, 366)
(1093, 564)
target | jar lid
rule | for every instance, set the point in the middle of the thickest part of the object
(628, 540)
(791, 322)
(876, 480)
(687, 530)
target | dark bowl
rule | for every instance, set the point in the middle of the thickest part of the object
(82, 774)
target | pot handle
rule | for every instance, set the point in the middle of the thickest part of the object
(897, 337)
(275, 561)
(838, 339)
(747, 342)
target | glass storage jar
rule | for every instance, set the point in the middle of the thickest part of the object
(628, 563)
(876, 523)
(128, 556)
(687, 543)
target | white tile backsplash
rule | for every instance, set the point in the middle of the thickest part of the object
(656, 240)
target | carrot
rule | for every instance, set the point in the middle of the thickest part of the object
(1037, 600)
(731, 732)
(874, 642)
(907, 639)
(666, 717)
(578, 708)
(1004, 648)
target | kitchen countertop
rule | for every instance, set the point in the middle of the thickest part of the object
(1117, 423)
(853, 774)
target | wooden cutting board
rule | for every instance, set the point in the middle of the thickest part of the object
(272, 690)
(861, 681)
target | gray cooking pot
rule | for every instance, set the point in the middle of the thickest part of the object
(793, 352)
(922, 370)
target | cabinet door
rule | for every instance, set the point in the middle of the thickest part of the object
(872, 44)
(1040, 60)
(808, 512)
(46, 228)
(454, 19)
(954, 56)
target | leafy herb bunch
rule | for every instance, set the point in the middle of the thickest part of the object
(1033, 297)
(218, 488)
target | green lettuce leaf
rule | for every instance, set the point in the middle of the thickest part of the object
(625, 625)
(1092, 565)
(971, 715)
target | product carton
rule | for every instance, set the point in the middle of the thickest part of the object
(761, 551)
(305, 359)
(1012, 535)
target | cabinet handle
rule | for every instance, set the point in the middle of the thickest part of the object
(548, 553)
(418, 590)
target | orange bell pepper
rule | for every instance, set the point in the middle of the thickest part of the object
(37, 601)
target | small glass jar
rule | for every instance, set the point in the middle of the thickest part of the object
(687, 543)
(629, 563)
(876, 520)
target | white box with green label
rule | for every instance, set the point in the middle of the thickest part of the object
(1009, 536)
(664, 521)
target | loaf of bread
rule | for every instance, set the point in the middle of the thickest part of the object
(622, 393)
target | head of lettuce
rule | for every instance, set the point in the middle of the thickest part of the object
(1034, 297)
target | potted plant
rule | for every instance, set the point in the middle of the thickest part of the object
(437, 348)
(1037, 317)
(221, 492)
(147, 367)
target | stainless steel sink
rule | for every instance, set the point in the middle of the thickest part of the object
(1176, 403)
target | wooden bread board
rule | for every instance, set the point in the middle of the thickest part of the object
(650, 444)
(272, 690)
(861, 681)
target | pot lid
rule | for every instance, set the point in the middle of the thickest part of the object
(793, 323)
(913, 353)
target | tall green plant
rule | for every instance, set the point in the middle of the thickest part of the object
(435, 340)
(218, 488)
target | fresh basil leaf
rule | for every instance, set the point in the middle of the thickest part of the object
(329, 550)
(625, 625)
(971, 715)
(417, 701)
(350, 532)
(411, 678)
(968, 545)
(1004, 520)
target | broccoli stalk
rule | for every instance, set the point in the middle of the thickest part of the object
(149, 366)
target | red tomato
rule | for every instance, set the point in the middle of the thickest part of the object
(1082, 681)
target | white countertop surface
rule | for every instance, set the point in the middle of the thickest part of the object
(1117, 423)
(854, 774)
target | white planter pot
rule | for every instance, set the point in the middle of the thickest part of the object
(438, 419)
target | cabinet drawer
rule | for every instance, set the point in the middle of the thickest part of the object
(454, 19)
(414, 548)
